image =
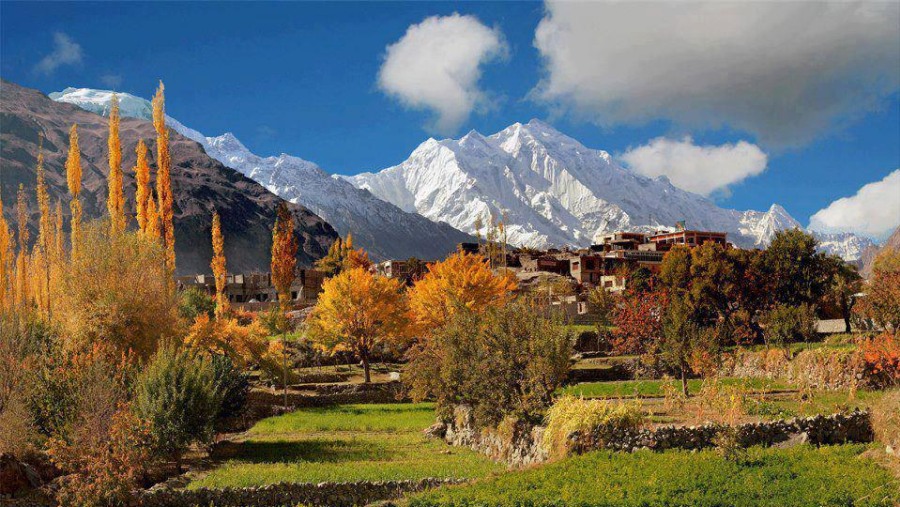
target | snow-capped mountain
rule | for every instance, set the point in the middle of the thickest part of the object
(383, 229)
(551, 190)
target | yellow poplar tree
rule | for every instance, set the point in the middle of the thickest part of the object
(45, 243)
(6, 248)
(142, 177)
(164, 178)
(22, 292)
(218, 266)
(153, 230)
(59, 247)
(284, 255)
(73, 178)
(115, 201)
(358, 311)
(461, 279)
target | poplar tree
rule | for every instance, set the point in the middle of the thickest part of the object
(41, 262)
(142, 177)
(218, 265)
(22, 258)
(153, 230)
(115, 201)
(73, 178)
(164, 178)
(6, 244)
(284, 255)
(59, 247)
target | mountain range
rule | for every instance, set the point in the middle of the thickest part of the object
(552, 190)
(548, 188)
(200, 183)
(382, 229)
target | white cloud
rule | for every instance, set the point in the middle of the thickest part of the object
(436, 65)
(784, 71)
(700, 169)
(113, 81)
(65, 52)
(874, 211)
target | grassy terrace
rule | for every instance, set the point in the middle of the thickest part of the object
(653, 388)
(800, 476)
(345, 443)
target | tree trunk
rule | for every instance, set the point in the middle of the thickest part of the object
(845, 310)
(684, 382)
(364, 355)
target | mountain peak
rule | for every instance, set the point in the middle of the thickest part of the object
(97, 101)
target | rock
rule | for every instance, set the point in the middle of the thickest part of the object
(436, 430)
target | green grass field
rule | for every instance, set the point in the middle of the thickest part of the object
(343, 443)
(650, 388)
(798, 477)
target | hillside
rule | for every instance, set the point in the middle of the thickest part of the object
(382, 229)
(200, 183)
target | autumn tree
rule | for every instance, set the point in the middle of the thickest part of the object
(166, 204)
(638, 319)
(844, 282)
(681, 341)
(117, 294)
(341, 255)
(284, 255)
(45, 235)
(460, 279)
(73, 178)
(881, 303)
(218, 265)
(6, 259)
(115, 201)
(794, 268)
(143, 193)
(22, 289)
(358, 311)
(153, 227)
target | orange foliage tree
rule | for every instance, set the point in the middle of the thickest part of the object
(243, 344)
(881, 303)
(218, 265)
(358, 311)
(881, 360)
(6, 255)
(73, 178)
(639, 321)
(22, 290)
(284, 255)
(115, 201)
(142, 178)
(164, 178)
(461, 279)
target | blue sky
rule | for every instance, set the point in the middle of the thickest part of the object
(303, 78)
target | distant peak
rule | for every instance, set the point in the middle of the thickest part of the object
(228, 141)
(777, 208)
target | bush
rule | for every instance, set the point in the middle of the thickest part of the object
(886, 420)
(601, 419)
(178, 396)
(231, 384)
(881, 360)
(116, 291)
(193, 302)
(788, 324)
(502, 362)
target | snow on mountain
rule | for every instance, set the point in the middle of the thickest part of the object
(552, 191)
(383, 229)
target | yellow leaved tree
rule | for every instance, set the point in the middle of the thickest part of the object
(460, 279)
(218, 266)
(358, 311)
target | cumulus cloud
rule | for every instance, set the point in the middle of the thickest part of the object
(784, 71)
(65, 52)
(874, 211)
(700, 169)
(436, 65)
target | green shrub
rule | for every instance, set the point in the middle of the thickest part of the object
(789, 324)
(177, 394)
(193, 302)
(597, 417)
(231, 384)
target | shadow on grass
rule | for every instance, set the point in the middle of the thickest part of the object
(316, 450)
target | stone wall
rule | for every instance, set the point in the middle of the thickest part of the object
(330, 494)
(523, 447)
(821, 368)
